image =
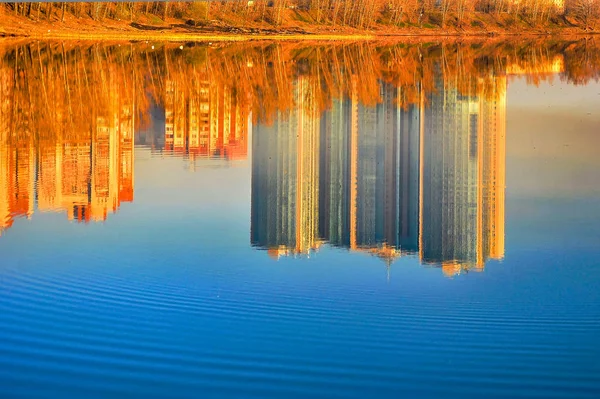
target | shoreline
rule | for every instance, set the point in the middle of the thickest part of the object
(175, 36)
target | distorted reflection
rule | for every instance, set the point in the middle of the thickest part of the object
(389, 150)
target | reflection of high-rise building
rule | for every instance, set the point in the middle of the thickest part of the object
(462, 171)
(493, 170)
(338, 171)
(205, 119)
(17, 186)
(6, 82)
(87, 172)
(369, 173)
(16, 161)
(348, 177)
(387, 173)
(392, 178)
(409, 121)
(90, 173)
(285, 177)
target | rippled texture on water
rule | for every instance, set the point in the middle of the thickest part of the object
(292, 220)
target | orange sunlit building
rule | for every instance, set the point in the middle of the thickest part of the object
(91, 176)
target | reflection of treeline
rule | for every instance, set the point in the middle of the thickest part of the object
(59, 90)
(354, 13)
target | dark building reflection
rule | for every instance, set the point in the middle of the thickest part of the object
(285, 195)
(463, 178)
(422, 179)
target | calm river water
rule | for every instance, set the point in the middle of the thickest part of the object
(300, 220)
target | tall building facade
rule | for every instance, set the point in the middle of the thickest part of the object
(388, 172)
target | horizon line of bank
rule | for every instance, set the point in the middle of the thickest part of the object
(200, 37)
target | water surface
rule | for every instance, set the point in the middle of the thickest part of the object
(292, 220)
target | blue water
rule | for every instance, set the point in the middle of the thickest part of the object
(171, 296)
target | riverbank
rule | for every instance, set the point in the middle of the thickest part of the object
(67, 26)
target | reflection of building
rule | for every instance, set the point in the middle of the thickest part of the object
(6, 83)
(387, 173)
(426, 178)
(17, 185)
(91, 173)
(369, 173)
(337, 185)
(285, 178)
(16, 161)
(87, 173)
(205, 119)
(462, 172)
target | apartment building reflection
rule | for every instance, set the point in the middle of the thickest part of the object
(285, 178)
(463, 177)
(86, 172)
(390, 179)
(205, 118)
(369, 180)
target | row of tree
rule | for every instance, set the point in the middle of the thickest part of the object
(362, 14)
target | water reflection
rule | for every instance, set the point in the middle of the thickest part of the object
(389, 150)
(425, 179)
(81, 167)
(201, 119)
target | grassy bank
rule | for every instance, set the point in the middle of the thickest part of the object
(180, 21)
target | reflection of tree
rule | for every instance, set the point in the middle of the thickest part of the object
(57, 95)
(581, 62)
(56, 83)
(57, 89)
